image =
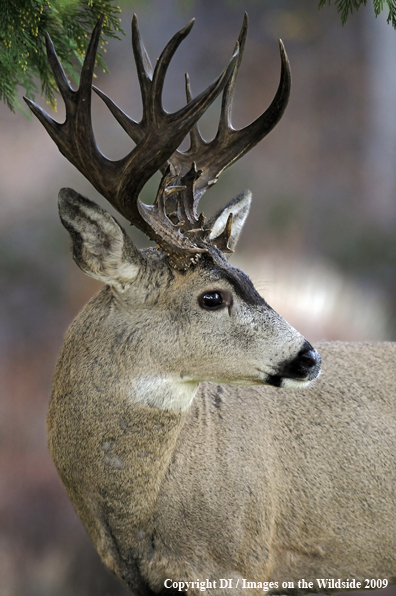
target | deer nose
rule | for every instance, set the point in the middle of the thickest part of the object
(305, 365)
(309, 359)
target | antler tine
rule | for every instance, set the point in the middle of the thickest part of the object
(163, 63)
(132, 128)
(74, 137)
(59, 74)
(228, 93)
(89, 61)
(195, 136)
(143, 64)
(49, 124)
(52, 127)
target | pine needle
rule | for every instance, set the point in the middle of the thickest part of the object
(23, 58)
(346, 7)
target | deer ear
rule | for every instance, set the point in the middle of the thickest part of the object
(239, 207)
(101, 247)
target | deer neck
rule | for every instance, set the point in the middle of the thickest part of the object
(143, 373)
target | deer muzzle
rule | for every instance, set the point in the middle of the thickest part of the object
(299, 371)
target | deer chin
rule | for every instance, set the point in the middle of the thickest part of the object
(296, 383)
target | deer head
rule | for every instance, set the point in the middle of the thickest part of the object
(189, 264)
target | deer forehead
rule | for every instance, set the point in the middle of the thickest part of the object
(163, 283)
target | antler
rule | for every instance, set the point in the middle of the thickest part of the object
(160, 133)
(157, 136)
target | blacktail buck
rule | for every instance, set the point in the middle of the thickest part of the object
(183, 419)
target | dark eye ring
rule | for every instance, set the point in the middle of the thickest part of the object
(215, 300)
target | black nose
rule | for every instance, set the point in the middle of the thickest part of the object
(305, 365)
(308, 359)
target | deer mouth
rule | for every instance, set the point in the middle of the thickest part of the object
(287, 383)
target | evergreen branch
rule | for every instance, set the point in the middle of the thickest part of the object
(346, 7)
(69, 23)
(392, 12)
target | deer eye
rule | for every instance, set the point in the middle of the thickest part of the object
(215, 300)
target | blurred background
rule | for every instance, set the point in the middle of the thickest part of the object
(319, 243)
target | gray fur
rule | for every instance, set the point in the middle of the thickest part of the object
(178, 479)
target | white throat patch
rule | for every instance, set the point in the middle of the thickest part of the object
(163, 392)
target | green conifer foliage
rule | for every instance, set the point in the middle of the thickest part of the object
(346, 7)
(23, 58)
